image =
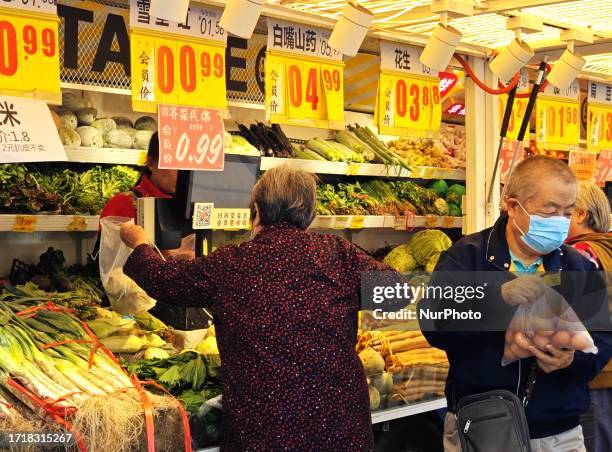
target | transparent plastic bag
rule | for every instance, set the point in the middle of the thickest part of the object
(125, 296)
(548, 320)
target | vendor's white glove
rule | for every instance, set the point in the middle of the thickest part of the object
(522, 290)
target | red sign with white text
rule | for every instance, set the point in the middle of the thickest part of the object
(603, 168)
(190, 138)
(505, 158)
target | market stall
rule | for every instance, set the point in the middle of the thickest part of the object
(405, 155)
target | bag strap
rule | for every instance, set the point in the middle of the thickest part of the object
(529, 385)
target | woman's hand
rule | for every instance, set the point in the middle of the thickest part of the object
(133, 235)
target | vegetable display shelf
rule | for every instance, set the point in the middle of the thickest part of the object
(112, 156)
(363, 169)
(408, 410)
(388, 221)
(59, 223)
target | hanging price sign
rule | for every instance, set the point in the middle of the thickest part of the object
(558, 118)
(177, 63)
(304, 77)
(190, 138)
(603, 168)
(29, 50)
(599, 117)
(516, 117)
(583, 164)
(408, 93)
(408, 105)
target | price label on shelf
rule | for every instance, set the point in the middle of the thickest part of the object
(190, 138)
(29, 51)
(516, 118)
(77, 224)
(304, 91)
(357, 222)
(557, 123)
(599, 127)
(603, 168)
(176, 70)
(583, 164)
(408, 104)
(25, 223)
(352, 169)
(341, 222)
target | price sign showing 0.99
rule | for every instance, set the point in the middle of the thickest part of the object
(190, 138)
(29, 48)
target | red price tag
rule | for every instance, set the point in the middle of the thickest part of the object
(190, 138)
(603, 168)
(583, 164)
(505, 159)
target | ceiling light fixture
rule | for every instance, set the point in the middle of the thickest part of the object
(175, 11)
(240, 17)
(567, 68)
(351, 29)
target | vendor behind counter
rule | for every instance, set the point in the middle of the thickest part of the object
(156, 182)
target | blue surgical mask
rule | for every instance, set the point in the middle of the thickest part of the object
(545, 234)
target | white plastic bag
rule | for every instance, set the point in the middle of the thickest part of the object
(125, 296)
(548, 320)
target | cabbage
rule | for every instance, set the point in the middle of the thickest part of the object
(428, 242)
(441, 206)
(432, 262)
(401, 259)
(68, 118)
(146, 123)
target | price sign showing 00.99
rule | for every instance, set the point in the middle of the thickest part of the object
(190, 138)
(29, 48)
(176, 71)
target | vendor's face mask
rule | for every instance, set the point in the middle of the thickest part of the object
(545, 234)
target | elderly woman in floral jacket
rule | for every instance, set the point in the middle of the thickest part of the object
(285, 306)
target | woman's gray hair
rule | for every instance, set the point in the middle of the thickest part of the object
(286, 195)
(593, 201)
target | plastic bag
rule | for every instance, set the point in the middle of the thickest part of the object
(548, 320)
(185, 252)
(125, 296)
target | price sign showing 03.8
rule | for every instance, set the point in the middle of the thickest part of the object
(28, 48)
(190, 138)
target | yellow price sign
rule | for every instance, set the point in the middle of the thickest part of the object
(176, 70)
(516, 117)
(599, 127)
(29, 55)
(557, 123)
(77, 224)
(25, 223)
(357, 222)
(352, 169)
(304, 91)
(408, 104)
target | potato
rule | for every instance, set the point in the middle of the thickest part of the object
(541, 341)
(561, 339)
(519, 352)
(522, 341)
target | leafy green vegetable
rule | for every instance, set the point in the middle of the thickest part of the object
(401, 259)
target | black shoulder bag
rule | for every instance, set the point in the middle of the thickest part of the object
(495, 421)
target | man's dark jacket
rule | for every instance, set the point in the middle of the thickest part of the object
(475, 358)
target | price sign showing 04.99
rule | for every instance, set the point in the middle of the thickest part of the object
(28, 49)
(190, 138)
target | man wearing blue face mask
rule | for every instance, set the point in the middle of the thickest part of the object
(526, 239)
